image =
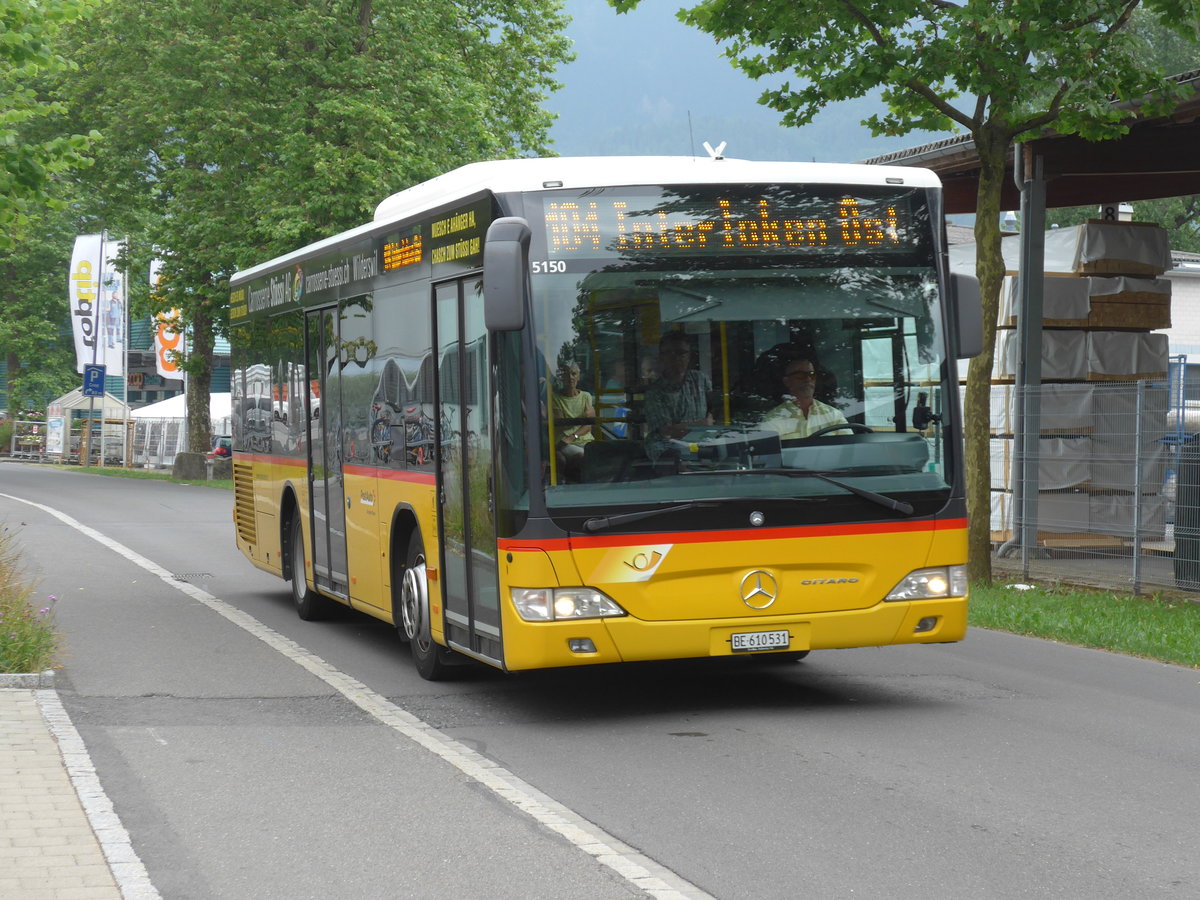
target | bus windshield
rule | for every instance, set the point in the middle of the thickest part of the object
(762, 346)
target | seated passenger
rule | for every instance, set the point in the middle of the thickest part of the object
(800, 413)
(678, 399)
(572, 403)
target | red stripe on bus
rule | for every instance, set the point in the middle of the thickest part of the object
(426, 478)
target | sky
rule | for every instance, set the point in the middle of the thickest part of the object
(645, 83)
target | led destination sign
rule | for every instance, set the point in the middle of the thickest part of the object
(402, 251)
(786, 222)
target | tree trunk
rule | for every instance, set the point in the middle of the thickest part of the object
(199, 384)
(989, 266)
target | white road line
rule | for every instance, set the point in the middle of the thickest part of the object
(639, 870)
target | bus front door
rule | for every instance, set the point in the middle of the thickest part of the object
(325, 476)
(469, 576)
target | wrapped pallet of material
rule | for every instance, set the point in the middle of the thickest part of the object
(1000, 453)
(1066, 408)
(1100, 248)
(1124, 515)
(1084, 516)
(1126, 411)
(1002, 515)
(1062, 463)
(1069, 512)
(1122, 466)
(1126, 302)
(1125, 355)
(1064, 356)
(1094, 302)
(1066, 302)
(1000, 408)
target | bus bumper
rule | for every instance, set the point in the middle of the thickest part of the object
(532, 645)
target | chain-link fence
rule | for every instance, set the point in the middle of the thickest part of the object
(1097, 483)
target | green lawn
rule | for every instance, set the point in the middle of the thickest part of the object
(1161, 627)
(150, 474)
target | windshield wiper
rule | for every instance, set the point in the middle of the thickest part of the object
(881, 499)
(596, 523)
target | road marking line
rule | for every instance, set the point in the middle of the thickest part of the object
(639, 870)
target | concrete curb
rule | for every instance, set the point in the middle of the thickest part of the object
(29, 680)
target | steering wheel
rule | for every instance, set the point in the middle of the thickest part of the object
(853, 426)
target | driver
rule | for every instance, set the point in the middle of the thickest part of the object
(800, 413)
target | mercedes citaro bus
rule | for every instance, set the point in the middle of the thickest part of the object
(559, 412)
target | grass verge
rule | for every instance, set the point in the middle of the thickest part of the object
(150, 475)
(28, 637)
(1157, 627)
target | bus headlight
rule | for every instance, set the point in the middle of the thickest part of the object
(555, 604)
(930, 584)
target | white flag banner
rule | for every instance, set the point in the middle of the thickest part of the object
(83, 291)
(168, 344)
(112, 311)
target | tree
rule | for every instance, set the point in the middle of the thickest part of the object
(237, 130)
(35, 336)
(1001, 70)
(28, 163)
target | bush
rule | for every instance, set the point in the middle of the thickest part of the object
(6, 432)
(28, 637)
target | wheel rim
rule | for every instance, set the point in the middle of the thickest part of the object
(414, 603)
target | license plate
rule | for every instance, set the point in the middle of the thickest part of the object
(745, 641)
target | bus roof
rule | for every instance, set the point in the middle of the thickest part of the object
(542, 173)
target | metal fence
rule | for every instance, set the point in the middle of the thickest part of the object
(156, 442)
(1107, 494)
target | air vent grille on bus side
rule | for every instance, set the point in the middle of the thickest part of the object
(243, 502)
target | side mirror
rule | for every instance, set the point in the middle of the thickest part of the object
(969, 308)
(505, 274)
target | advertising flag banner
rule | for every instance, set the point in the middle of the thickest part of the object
(96, 291)
(167, 342)
(83, 291)
(112, 311)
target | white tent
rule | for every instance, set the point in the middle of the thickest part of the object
(219, 406)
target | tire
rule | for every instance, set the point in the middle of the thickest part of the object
(309, 604)
(429, 657)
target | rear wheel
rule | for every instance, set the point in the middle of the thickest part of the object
(309, 604)
(429, 657)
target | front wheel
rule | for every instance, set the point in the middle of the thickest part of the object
(428, 656)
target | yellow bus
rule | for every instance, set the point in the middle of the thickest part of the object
(560, 412)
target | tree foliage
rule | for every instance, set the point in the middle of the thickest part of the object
(1000, 70)
(35, 337)
(29, 156)
(237, 130)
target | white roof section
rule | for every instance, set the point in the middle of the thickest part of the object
(110, 406)
(219, 407)
(504, 176)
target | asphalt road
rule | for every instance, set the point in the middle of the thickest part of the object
(250, 754)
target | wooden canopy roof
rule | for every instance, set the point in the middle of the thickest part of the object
(1159, 157)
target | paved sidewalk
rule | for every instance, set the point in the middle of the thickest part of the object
(59, 839)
